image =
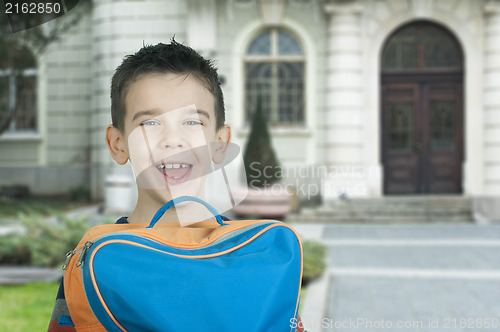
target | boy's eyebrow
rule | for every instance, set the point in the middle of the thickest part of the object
(157, 112)
(144, 113)
(202, 112)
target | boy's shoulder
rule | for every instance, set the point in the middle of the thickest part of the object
(122, 220)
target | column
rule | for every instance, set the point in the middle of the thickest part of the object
(491, 97)
(345, 100)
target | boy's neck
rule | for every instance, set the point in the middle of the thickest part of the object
(148, 204)
(146, 208)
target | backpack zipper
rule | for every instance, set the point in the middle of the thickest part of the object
(69, 254)
(224, 237)
(85, 248)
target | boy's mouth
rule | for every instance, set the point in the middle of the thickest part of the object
(175, 172)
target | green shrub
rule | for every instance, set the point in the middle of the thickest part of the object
(43, 243)
(313, 260)
(15, 191)
(48, 242)
(79, 194)
(261, 163)
(14, 250)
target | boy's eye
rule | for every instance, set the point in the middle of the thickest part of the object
(192, 122)
(149, 123)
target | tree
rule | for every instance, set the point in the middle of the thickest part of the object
(261, 165)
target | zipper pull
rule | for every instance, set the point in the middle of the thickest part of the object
(68, 257)
(85, 248)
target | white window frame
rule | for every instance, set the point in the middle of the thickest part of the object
(275, 57)
(12, 74)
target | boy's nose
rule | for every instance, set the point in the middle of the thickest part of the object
(172, 140)
(178, 145)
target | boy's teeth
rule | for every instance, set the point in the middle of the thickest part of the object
(173, 166)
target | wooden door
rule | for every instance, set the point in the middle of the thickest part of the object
(422, 116)
(442, 138)
(422, 140)
(399, 155)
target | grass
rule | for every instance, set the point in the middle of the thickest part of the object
(27, 307)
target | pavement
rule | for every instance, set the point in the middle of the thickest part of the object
(20, 275)
(423, 277)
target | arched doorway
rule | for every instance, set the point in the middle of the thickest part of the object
(422, 111)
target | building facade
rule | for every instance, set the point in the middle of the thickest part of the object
(363, 97)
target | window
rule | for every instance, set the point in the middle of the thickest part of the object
(421, 46)
(18, 97)
(274, 72)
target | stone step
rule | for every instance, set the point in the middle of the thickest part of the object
(392, 208)
(378, 219)
(404, 209)
(409, 204)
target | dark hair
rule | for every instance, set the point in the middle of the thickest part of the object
(164, 58)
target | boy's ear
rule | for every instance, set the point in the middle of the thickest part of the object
(116, 145)
(220, 147)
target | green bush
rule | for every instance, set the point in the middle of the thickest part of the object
(43, 243)
(313, 260)
(14, 250)
(49, 242)
(79, 194)
(261, 163)
(15, 191)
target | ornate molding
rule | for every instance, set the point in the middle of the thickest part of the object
(334, 8)
(271, 11)
(492, 8)
(422, 8)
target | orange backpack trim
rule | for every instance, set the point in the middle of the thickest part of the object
(194, 236)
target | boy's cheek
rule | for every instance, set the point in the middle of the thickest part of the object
(197, 137)
(138, 152)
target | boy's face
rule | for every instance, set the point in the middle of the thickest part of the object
(169, 135)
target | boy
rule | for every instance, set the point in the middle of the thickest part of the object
(168, 118)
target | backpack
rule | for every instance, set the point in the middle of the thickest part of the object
(210, 276)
